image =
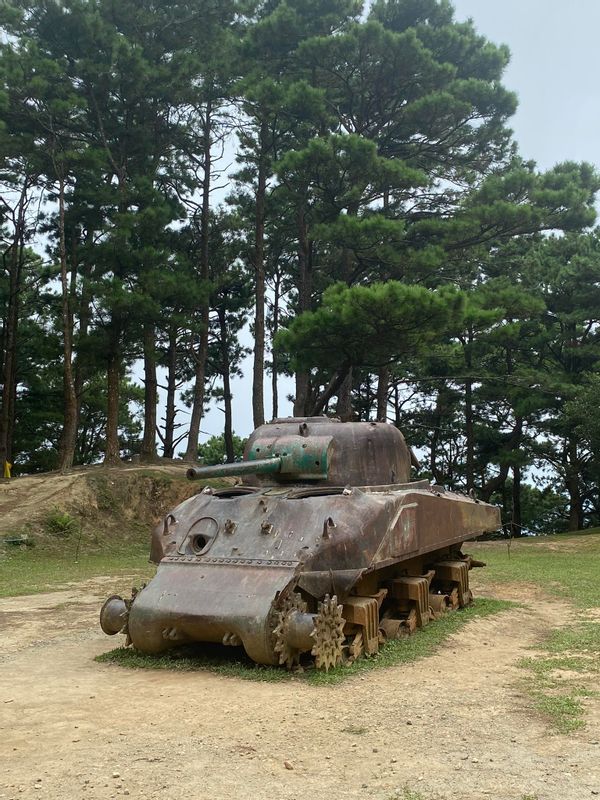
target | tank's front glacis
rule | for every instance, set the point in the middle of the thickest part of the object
(230, 560)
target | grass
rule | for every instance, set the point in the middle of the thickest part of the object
(565, 565)
(229, 662)
(558, 677)
(408, 794)
(564, 672)
(30, 571)
(355, 730)
(60, 523)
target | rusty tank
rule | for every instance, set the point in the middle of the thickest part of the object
(322, 551)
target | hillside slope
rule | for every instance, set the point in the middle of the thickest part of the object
(94, 501)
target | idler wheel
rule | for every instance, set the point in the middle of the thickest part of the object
(114, 615)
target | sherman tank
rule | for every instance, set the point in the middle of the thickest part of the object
(324, 549)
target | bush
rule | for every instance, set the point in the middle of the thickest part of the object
(60, 523)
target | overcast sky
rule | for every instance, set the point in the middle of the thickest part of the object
(554, 70)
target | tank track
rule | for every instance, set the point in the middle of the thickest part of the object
(399, 606)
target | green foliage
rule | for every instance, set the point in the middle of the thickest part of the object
(582, 412)
(381, 217)
(60, 523)
(213, 450)
(543, 511)
(367, 326)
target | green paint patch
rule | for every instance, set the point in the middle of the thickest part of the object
(229, 662)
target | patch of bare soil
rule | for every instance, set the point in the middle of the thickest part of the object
(451, 726)
(23, 498)
(27, 500)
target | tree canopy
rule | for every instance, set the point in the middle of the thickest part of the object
(329, 189)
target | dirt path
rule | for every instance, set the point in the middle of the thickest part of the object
(72, 728)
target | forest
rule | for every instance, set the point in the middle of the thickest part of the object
(339, 179)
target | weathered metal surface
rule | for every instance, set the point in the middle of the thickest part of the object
(314, 566)
(361, 453)
(283, 458)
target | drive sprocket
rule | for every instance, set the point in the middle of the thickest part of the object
(328, 634)
(288, 655)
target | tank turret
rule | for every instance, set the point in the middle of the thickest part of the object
(325, 549)
(320, 451)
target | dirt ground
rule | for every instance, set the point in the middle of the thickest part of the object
(26, 500)
(454, 726)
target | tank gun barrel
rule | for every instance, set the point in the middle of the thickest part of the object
(262, 466)
(289, 458)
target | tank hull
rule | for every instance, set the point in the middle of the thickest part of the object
(251, 567)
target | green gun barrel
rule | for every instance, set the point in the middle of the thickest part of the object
(263, 466)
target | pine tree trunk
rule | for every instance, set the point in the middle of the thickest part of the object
(191, 451)
(397, 419)
(469, 426)
(9, 367)
(112, 453)
(572, 482)
(12, 411)
(168, 445)
(274, 359)
(68, 439)
(343, 408)
(304, 304)
(435, 438)
(84, 314)
(383, 378)
(330, 390)
(226, 369)
(201, 355)
(516, 518)
(469, 435)
(302, 395)
(258, 402)
(148, 449)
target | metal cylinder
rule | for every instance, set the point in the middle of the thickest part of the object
(300, 631)
(260, 466)
(113, 615)
(439, 603)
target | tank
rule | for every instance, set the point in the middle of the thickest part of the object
(322, 550)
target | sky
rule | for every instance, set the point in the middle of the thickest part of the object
(554, 70)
